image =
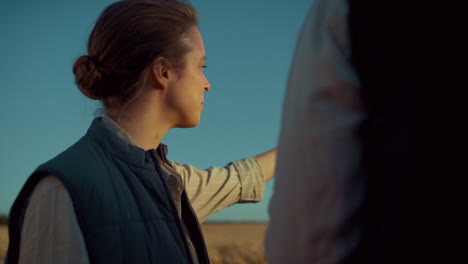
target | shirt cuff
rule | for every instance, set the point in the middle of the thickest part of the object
(251, 180)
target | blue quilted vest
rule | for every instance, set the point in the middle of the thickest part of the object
(123, 205)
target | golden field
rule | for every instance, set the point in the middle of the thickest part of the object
(3, 242)
(233, 243)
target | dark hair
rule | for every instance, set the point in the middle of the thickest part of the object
(127, 37)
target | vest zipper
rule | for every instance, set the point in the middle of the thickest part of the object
(205, 252)
(162, 153)
(174, 209)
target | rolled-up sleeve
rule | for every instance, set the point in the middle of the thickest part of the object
(216, 188)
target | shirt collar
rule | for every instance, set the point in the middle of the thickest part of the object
(110, 124)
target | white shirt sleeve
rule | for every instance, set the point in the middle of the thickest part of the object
(50, 231)
(317, 186)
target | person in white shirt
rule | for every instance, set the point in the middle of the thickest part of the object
(372, 159)
(316, 186)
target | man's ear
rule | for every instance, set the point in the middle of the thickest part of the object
(161, 72)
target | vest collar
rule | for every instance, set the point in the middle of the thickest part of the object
(110, 124)
(122, 149)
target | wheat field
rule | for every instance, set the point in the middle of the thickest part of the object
(236, 243)
(233, 243)
(3, 242)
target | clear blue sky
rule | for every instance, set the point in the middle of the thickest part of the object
(249, 45)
